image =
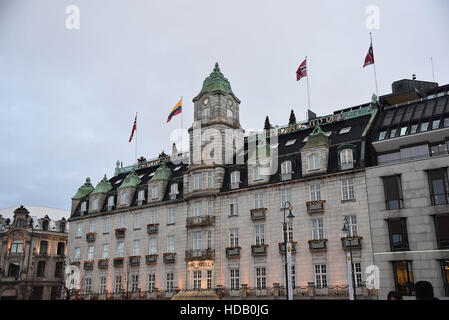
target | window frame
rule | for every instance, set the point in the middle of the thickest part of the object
(405, 242)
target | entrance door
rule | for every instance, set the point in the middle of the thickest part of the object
(201, 279)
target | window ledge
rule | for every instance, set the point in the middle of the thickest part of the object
(170, 224)
(233, 215)
(348, 200)
(136, 228)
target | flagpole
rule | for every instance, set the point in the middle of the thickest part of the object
(374, 63)
(433, 73)
(308, 92)
(182, 127)
(136, 136)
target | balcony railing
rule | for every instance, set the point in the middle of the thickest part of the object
(233, 252)
(88, 265)
(134, 260)
(200, 221)
(258, 214)
(259, 249)
(282, 247)
(169, 257)
(347, 165)
(151, 259)
(103, 263)
(120, 233)
(118, 262)
(235, 185)
(152, 228)
(315, 206)
(205, 254)
(352, 242)
(317, 245)
(90, 236)
(286, 176)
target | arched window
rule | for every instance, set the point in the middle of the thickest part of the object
(16, 246)
(314, 161)
(45, 225)
(346, 156)
(286, 167)
(206, 114)
(235, 177)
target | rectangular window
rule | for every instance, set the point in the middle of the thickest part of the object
(83, 207)
(438, 149)
(120, 249)
(170, 281)
(41, 269)
(286, 195)
(382, 135)
(389, 157)
(141, 195)
(79, 229)
(257, 173)
(347, 189)
(171, 216)
(106, 225)
(197, 279)
(320, 276)
(209, 279)
(317, 229)
(424, 126)
(118, 284)
(136, 248)
(137, 220)
(210, 208)
(197, 240)
(43, 247)
(153, 216)
(103, 285)
(105, 254)
(121, 222)
(445, 271)
(209, 239)
(134, 283)
(95, 204)
(90, 253)
(403, 131)
(233, 237)
(293, 272)
(442, 230)
(393, 192)
(171, 244)
(124, 198)
(415, 152)
(110, 202)
(258, 201)
(260, 234)
(209, 180)
(153, 246)
(438, 186)
(352, 225)
(77, 254)
(234, 276)
(233, 206)
(197, 181)
(398, 234)
(403, 277)
(87, 285)
(357, 274)
(93, 226)
(151, 282)
(155, 192)
(261, 280)
(315, 192)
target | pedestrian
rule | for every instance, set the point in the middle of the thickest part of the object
(394, 295)
(424, 291)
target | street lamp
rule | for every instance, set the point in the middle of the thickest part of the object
(349, 259)
(290, 217)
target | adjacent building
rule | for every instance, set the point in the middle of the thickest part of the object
(212, 218)
(32, 253)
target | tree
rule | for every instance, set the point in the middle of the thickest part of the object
(267, 125)
(292, 119)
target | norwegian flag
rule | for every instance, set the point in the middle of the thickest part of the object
(134, 128)
(302, 70)
(369, 57)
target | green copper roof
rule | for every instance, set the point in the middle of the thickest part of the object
(317, 139)
(215, 82)
(104, 186)
(131, 180)
(84, 190)
(162, 173)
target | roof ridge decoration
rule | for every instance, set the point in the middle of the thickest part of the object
(162, 173)
(317, 138)
(21, 209)
(104, 186)
(131, 180)
(216, 81)
(84, 190)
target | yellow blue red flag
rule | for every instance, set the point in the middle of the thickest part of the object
(177, 109)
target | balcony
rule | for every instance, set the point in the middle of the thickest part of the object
(43, 255)
(258, 214)
(88, 265)
(151, 259)
(282, 247)
(134, 260)
(200, 221)
(118, 262)
(233, 252)
(169, 257)
(347, 165)
(315, 206)
(90, 236)
(352, 242)
(120, 233)
(152, 228)
(205, 254)
(317, 245)
(259, 250)
(103, 263)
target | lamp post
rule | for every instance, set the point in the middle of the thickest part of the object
(290, 217)
(351, 278)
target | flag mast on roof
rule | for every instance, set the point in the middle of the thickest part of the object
(301, 73)
(370, 60)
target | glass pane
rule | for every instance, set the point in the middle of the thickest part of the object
(403, 131)
(424, 126)
(382, 135)
(413, 128)
(435, 124)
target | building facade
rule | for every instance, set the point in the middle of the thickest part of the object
(212, 218)
(408, 188)
(32, 256)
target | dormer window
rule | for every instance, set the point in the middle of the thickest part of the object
(173, 191)
(19, 223)
(141, 195)
(124, 198)
(155, 192)
(62, 227)
(45, 225)
(345, 130)
(286, 167)
(95, 204)
(314, 162)
(235, 177)
(110, 202)
(83, 207)
(290, 142)
(346, 156)
(257, 173)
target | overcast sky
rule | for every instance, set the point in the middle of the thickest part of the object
(68, 97)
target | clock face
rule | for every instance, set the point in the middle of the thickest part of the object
(205, 101)
(229, 102)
